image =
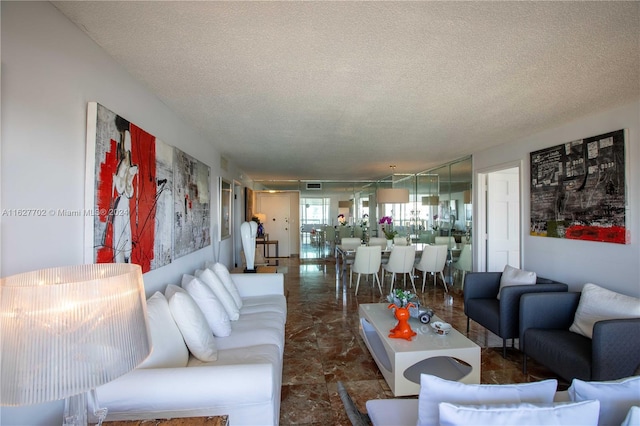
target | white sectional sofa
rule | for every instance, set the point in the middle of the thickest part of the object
(443, 402)
(194, 372)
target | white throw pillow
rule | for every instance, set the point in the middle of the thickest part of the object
(616, 397)
(525, 414)
(223, 273)
(633, 417)
(193, 326)
(210, 306)
(514, 276)
(172, 289)
(434, 390)
(597, 304)
(214, 283)
(169, 349)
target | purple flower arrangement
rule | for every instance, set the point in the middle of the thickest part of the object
(388, 232)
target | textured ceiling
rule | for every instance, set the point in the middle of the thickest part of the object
(341, 90)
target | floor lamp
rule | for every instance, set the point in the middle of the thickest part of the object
(66, 331)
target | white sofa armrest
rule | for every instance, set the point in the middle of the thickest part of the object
(206, 390)
(258, 284)
(393, 412)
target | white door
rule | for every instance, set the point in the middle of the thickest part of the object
(276, 207)
(503, 219)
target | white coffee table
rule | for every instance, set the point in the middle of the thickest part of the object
(452, 357)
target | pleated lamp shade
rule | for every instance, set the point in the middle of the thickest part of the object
(430, 200)
(466, 195)
(68, 330)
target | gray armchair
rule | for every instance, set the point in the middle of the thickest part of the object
(612, 353)
(501, 317)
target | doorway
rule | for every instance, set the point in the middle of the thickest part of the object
(500, 218)
(277, 209)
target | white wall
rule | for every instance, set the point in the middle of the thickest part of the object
(614, 266)
(50, 71)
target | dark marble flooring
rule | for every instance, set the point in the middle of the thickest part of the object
(323, 345)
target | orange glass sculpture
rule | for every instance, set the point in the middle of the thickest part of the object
(402, 330)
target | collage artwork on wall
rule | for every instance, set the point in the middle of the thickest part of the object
(150, 201)
(578, 190)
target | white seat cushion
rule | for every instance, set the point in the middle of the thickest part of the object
(267, 303)
(256, 354)
(245, 335)
(258, 319)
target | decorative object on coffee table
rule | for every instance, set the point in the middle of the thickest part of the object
(402, 298)
(441, 328)
(402, 330)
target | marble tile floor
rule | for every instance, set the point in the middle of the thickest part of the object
(323, 345)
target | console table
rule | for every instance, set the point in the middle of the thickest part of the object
(266, 242)
(452, 357)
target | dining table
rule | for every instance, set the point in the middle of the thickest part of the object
(344, 254)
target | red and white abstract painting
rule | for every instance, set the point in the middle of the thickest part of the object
(130, 191)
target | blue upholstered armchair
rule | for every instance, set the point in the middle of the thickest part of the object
(612, 353)
(500, 316)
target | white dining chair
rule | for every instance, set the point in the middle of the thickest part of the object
(358, 232)
(433, 260)
(344, 231)
(464, 262)
(330, 237)
(348, 243)
(450, 242)
(382, 243)
(400, 241)
(378, 241)
(401, 261)
(367, 262)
